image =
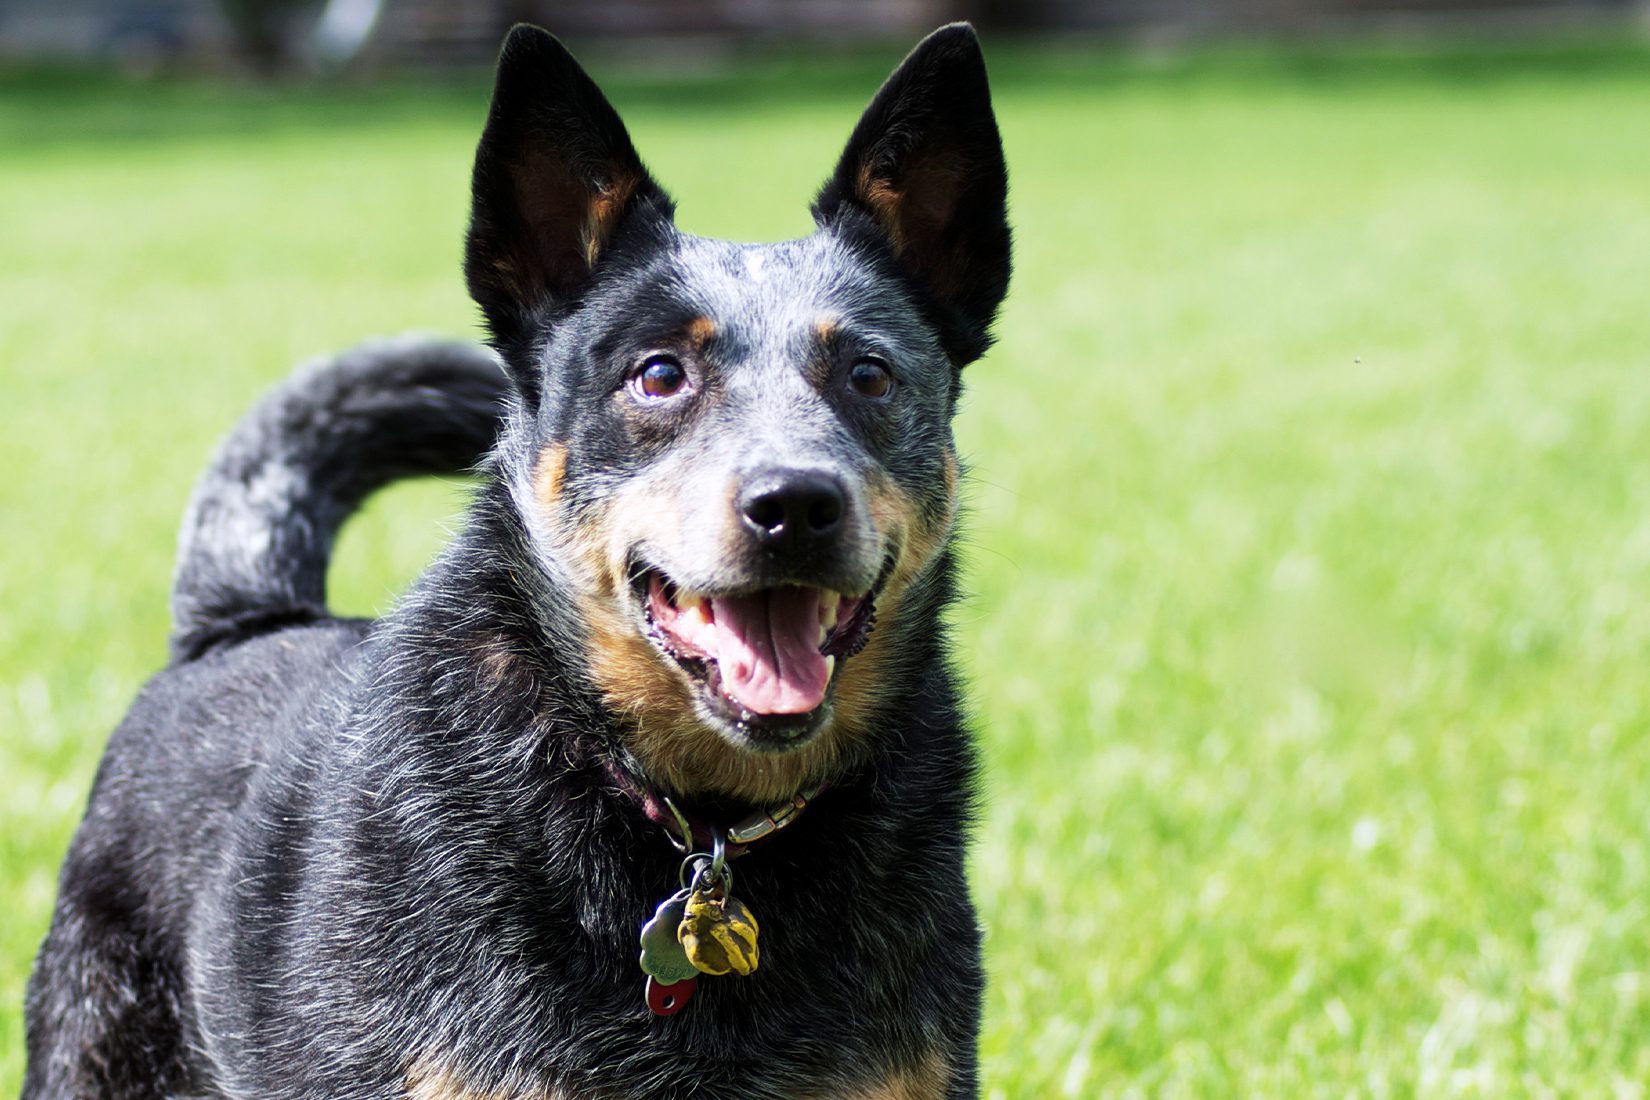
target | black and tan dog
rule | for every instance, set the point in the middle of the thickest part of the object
(697, 604)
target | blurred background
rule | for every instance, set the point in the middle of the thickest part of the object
(286, 35)
(1308, 533)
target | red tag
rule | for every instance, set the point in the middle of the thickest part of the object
(668, 1000)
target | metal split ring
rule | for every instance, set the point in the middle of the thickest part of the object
(705, 870)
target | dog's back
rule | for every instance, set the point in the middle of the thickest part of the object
(256, 658)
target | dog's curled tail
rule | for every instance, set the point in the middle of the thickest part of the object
(259, 529)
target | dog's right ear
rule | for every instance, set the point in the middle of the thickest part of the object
(925, 164)
(555, 176)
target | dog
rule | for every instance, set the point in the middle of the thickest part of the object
(657, 783)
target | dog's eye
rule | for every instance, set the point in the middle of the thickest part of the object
(659, 376)
(870, 378)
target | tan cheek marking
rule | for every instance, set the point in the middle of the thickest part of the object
(919, 537)
(889, 507)
(930, 534)
(632, 676)
(549, 471)
(862, 688)
(597, 541)
(635, 681)
(640, 512)
(583, 545)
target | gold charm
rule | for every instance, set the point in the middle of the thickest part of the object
(718, 934)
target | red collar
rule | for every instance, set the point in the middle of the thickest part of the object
(690, 833)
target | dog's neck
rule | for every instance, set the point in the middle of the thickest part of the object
(692, 830)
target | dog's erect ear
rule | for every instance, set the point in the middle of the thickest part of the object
(926, 163)
(555, 175)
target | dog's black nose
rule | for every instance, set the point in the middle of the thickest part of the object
(792, 508)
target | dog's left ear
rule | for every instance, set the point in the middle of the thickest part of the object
(926, 163)
(555, 176)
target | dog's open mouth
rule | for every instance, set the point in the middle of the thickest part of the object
(764, 657)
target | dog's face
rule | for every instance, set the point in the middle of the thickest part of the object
(737, 459)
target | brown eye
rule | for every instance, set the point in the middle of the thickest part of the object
(660, 376)
(870, 378)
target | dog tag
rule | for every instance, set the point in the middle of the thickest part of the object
(718, 934)
(663, 958)
(668, 1000)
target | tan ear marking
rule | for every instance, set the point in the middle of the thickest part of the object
(916, 212)
(603, 214)
(883, 198)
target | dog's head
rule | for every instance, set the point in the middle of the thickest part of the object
(737, 459)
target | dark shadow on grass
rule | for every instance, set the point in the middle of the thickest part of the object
(50, 108)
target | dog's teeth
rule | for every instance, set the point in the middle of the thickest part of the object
(696, 615)
(829, 604)
(830, 666)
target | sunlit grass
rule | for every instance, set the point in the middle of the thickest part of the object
(1310, 534)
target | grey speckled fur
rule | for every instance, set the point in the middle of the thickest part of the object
(259, 528)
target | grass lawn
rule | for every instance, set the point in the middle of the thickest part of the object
(1310, 544)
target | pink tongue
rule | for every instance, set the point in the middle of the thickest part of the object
(767, 647)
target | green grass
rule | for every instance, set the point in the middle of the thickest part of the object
(1310, 535)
